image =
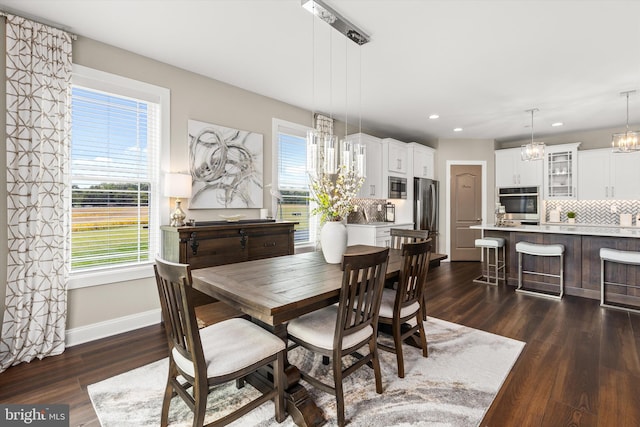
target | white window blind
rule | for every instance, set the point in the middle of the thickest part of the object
(114, 173)
(293, 184)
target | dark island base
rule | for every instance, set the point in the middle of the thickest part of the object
(581, 265)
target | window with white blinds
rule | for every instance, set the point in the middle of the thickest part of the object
(115, 179)
(292, 182)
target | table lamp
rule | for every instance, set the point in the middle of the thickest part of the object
(177, 185)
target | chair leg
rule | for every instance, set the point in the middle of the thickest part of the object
(278, 381)
(373, 349)
(166, 401)
(424, 306)
(397, 342)
(200, 392)
(423, 337)
(337, 380)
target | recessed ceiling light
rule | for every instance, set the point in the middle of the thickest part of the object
(434, 116)
(457, 129)
(557, 124)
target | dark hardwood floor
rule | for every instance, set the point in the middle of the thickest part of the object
(580, 366)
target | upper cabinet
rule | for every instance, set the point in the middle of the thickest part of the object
(372, 186)
(423, 160)
(561, 171)
(512, 171)
(607, 175)
(397, 155)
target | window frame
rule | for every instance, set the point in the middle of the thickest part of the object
(281, 126)
(118, 85)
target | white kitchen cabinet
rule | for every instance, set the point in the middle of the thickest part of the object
(373, 234)
(397, 156)
(607, 175)
(625, 176)
(561, 172)
(423, 160)
(372, 186)
(512, 171)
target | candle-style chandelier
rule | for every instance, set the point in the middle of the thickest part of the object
(533, 150)
(626, 142)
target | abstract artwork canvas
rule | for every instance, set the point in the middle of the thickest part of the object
(225, 166)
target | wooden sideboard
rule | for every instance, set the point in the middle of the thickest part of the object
(208, 244)
(215, 243)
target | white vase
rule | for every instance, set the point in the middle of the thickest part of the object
(571, 220)
(333, 240)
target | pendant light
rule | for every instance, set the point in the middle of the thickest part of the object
(326, 155)
(533, 150)
(626, 142)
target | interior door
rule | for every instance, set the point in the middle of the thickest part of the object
(466, 210)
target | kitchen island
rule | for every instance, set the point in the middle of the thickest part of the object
(581, 258)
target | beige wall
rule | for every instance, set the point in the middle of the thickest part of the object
(592, 139)
(463, 150)
(192, 97)
(200, 98)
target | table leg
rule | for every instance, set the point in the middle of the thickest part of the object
(300, 405)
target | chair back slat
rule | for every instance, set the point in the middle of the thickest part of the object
(413, 275)
(175, 290)
(399, 237)
(362, 282)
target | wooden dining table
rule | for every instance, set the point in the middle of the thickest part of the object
(275, 290)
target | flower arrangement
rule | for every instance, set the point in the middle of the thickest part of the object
(334, 193)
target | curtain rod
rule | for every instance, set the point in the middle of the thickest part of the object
(4, 14)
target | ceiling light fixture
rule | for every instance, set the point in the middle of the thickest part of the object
(626, 142)
(337, 21)
(533, 150)
(556, 124)
(457, 129)
(326, 155)
(434, 116)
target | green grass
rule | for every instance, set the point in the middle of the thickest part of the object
(99, 240)
(115, 245)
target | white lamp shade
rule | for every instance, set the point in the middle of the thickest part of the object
(177, 185)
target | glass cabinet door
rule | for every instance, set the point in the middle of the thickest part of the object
(561, 173)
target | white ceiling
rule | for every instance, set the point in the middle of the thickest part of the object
(478, 64)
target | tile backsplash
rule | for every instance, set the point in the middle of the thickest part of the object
(367, 211)
(601, 212)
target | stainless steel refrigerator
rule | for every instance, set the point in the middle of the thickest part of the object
(425, 208)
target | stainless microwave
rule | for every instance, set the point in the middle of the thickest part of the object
(397, 187)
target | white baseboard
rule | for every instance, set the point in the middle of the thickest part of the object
(111, 327)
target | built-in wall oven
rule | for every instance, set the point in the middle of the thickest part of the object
(521, 204)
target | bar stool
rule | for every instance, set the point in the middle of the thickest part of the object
(488, 243)
(535, 249)
(619, 257)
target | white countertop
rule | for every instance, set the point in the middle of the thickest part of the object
(381, 224)
(584, 230)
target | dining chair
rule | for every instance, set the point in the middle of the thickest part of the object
(406, 303)
(217, 354)
(344, 328)
(400, 237)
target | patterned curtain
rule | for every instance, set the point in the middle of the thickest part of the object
(38, 131)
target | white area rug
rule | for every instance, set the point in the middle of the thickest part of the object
(454, 386)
